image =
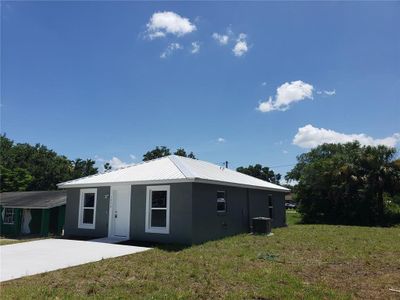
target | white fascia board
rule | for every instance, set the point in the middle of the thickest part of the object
(144, 182)
(199, 180)
(256, 187)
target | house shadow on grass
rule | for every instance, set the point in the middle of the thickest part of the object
(164, 247)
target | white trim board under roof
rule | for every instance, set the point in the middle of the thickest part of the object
(173, 169)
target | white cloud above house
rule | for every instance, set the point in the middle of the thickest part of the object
(241, 46)
(171, 49)
(116, 163)
(221, 140)
(222, 39)
(286, 95)
(168, 22)
(310, 137)
(195, 47)
(327, 93)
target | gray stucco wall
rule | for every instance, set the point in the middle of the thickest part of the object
(180, 229)
(279, 218)
(208, 224)
(72, 214)
(193, 214)
(259, 206)
(242, 205)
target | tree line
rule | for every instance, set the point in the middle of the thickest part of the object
(25, 167)
(333, 183)
(348, 184)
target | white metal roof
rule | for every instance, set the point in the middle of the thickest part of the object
(171, 169)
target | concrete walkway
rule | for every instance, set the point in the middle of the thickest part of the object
(29, 258)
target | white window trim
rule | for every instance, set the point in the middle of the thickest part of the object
(225, 210)
(13, 216)
(149, 190)
(81, 202)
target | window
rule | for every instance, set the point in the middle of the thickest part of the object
(221, 202)
(87, 211)
(9, 216)
(157, 209)
(271, 206)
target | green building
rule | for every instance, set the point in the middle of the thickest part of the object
(36, 213)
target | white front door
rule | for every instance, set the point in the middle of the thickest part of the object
(120, 211)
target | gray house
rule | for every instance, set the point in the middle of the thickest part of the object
(170, 200)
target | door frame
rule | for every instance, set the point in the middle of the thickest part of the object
(110, 211)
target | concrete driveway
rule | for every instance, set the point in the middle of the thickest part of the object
(29, 258)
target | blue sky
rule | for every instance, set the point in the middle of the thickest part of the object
(90, 80)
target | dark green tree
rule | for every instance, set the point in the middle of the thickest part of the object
(345, 183)
(83, 168)
(182, 152)
(14, 180)
(6, 153)
(159, 151)
(35, 167)
(263, 173)
(107, 166)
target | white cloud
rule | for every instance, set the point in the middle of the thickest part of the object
(116, 163)
(327, 93)
(195, 47)
(170, 49)
(240, 47)
(221, 140)
(330, 93)
(240, 42)
(263, 83)
(168, 22)
(287, 94)
(266, 106)
(310, 136)
(222, 39)
(98, 158)
(285, 152)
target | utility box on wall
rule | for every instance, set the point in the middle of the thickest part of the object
(261, 225)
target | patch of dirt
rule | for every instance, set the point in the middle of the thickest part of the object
(362, 280)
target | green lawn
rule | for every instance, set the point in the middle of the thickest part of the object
(8, 241)
(292, 217)
(299, 261)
